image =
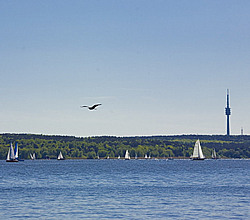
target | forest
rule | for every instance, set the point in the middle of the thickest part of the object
(177, 146)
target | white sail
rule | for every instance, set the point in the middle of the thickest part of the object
(12, 155)
(16, 151)
(201, 156)
(146, 156)
(214, 156)
(198, 154)
(60, 156)
(127, 157)
(119, 157)
(8, 155)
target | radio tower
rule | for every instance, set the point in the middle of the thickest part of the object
(228, 113)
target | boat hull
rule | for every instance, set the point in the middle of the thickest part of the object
(197, 158)
(12, 160)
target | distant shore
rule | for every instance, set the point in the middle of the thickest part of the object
(174, 146)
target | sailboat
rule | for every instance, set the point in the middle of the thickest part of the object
(170, 158)
(127, 157)
(60, 156)
(33, 156)
(214, 156)
(119, 157)
(197, 154)
(12, 155)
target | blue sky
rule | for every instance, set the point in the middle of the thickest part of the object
(158, 67)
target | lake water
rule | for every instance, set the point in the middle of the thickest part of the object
(134, 189)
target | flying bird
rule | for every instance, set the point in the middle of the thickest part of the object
(91, 107)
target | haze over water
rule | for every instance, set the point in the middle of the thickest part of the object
(134, 189)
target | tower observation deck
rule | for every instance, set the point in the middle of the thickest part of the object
(228, 113)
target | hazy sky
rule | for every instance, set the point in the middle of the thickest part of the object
(159, 67)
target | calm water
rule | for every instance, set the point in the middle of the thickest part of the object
(135, 189)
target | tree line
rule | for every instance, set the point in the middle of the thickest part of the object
(179, 146)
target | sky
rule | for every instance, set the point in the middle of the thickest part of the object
(158, 67)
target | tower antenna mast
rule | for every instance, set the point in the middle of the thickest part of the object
(228, 113)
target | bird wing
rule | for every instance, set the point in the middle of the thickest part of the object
(96, 105)
(90, 107)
